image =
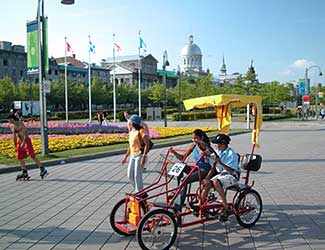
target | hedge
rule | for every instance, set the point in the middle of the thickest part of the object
(190, 116)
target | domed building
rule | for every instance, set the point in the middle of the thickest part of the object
(191, 57)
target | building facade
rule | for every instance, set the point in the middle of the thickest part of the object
(224, 77)
(76, 71)
(126, 69)
(13, 61)
(191, 59)
(171, 77)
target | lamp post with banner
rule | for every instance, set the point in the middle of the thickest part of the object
(37, 61)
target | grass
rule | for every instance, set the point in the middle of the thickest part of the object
(95, 150)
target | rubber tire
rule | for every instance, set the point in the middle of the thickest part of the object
(112, 217)
(144, 220)
(237, 203)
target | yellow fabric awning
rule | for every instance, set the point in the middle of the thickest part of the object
(222, 105)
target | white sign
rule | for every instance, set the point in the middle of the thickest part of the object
(30, 108)
(17, 104)
(176, 169)
(47, 86)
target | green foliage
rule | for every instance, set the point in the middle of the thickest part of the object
(273, 93)
(8, 93)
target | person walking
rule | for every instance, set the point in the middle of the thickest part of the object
(24, 146)
(105, 122)
(137, 152)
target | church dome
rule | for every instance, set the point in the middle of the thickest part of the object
(191, 49)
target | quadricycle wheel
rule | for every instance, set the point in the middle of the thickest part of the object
(157, 230)
(119, 217)
(248, 207)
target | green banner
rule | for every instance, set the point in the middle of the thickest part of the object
(45, 46)
(32, 47)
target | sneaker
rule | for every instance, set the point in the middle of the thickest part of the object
(194, 207)
(43, 173)
(224, 215)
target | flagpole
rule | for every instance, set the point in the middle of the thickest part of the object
(66, 80)
(89, 83)
(139, 76)
(114, 90)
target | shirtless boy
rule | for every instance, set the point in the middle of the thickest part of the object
(24, 146)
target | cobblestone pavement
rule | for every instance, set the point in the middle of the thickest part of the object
(70, 209)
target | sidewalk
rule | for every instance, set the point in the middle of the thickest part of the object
(70, 209)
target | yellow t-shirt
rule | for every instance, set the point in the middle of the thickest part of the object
(134, 141)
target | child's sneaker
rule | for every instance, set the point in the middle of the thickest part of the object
(23, 176)
(43, 172)
(224, 215)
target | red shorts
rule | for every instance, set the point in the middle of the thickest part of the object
(27, 149)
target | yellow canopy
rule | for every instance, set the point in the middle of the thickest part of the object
(222, 105)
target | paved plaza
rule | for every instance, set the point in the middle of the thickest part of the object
(70, 209)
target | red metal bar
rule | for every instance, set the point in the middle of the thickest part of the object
(160, 176)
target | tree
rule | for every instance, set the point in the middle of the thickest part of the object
(98, 89)
(274, 93)
(205, 86)
(79, 95)
(156, 93)
(7, 93)
(56, 98)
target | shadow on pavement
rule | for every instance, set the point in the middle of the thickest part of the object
(295, 160)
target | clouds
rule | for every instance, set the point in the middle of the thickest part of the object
(301, 64)
(296, 67)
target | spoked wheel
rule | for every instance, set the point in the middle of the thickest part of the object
(248, 208)
(118, 218)
(157, 230)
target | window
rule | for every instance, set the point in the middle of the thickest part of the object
(21, 73)
(184, 61)
(56, 72)
(50, 71)
(5, 62)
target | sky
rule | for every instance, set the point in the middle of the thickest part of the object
(281, 36)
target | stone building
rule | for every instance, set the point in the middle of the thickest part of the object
(126, 69)
(13, 61)
(191, 59)
(76, 70)
(224, 77)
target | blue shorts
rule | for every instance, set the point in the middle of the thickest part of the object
(203, 165)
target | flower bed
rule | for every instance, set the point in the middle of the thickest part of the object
(59, 143)
(71, 128)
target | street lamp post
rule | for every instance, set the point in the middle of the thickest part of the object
(42, 73)
(179, 92)
(247, 108)
(306, 86)
(165, 64)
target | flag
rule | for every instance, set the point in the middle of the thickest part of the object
(91, 46)
(68, 48)
(142, 43)
(118, 47)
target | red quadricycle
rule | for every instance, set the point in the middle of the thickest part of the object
(151, 213)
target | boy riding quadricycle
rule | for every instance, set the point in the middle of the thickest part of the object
(154, 214)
